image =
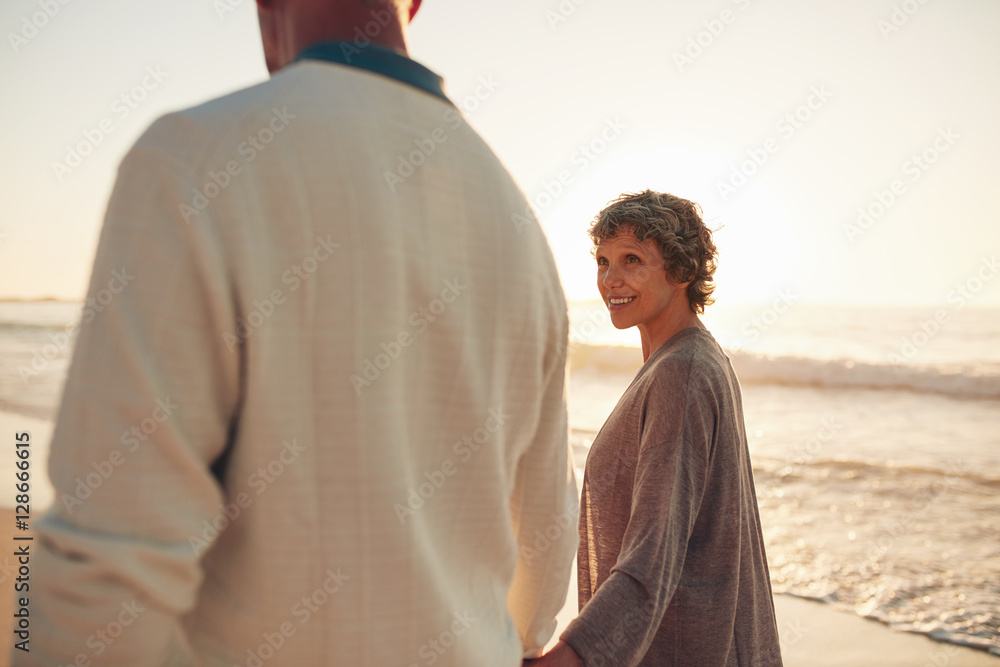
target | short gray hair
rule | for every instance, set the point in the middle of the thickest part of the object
(689, 253)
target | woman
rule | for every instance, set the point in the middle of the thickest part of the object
(671, 564)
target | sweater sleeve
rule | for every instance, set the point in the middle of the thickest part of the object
(544, 512)
(620, 621)
(147, 407)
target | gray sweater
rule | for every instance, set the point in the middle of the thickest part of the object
(671, 564)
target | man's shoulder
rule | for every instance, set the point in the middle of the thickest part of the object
(304, 91)
(214, 119)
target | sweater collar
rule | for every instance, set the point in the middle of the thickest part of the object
(379, 60)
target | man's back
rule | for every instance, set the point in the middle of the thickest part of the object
(329, 278)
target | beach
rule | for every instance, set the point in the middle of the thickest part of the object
(875, 453)
(878, 482)
(812, 634)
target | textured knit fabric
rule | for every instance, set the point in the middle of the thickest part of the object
(327, 401)
(671, 564)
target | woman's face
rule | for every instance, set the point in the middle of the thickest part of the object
(633, 282)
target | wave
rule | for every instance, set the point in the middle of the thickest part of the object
(755, 369)
(770, 470)
(960, 381)
(37, 327)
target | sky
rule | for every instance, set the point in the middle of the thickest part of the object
(846, 153)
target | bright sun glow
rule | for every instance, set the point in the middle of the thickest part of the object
(757, 240)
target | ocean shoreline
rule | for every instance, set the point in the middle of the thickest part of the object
(813, 633)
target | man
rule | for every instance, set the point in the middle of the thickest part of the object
(324, 421)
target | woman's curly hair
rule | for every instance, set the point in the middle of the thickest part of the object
(689, 253)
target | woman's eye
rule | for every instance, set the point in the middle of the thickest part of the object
(632, 259)
(601, 261)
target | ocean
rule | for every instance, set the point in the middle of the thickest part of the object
(874, 435)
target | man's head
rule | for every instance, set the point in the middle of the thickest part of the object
(675, 224)
(289, 26)
(407, 7)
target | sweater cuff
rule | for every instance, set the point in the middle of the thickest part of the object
(587, 642)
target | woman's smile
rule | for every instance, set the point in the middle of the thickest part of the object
(617, 303)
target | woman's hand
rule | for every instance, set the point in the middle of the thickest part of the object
(561, 655)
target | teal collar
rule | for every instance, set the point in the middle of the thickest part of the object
(380, 60)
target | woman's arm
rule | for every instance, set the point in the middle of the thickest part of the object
(561, 655)
(618, 624)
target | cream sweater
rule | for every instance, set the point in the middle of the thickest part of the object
(329, 399)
